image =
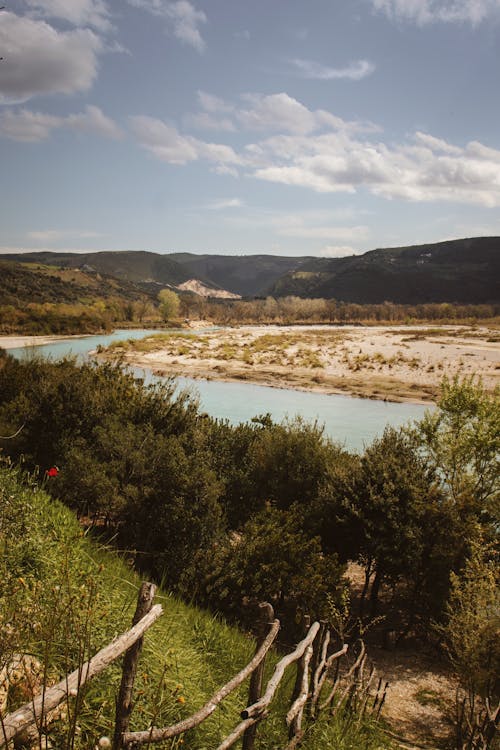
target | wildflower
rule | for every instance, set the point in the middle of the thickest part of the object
(181, 699)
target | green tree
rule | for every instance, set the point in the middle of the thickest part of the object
(169, 304)
(461, 439)
(384, 504)
(472, 638)
(272, 560)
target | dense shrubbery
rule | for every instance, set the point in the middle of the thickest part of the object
(226, 513)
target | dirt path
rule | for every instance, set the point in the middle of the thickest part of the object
(420, 697)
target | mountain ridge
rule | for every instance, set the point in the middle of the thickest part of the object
(465, 271)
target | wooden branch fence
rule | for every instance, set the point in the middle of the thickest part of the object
(352, 687)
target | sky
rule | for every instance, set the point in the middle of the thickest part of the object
(290, 127)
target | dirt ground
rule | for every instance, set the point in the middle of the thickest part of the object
(400, 363)
(420, 699)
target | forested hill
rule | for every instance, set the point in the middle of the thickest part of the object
(465, 271)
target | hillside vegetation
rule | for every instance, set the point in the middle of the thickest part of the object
(463, 271)
(37, 298)
(226, 516)
(64, 596)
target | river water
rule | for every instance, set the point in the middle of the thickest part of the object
(352, 421)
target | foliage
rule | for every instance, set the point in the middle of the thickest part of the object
(75, 596)
(472, 631)
(271, 560)
(169, 304)
(461, 440)
(67, 300)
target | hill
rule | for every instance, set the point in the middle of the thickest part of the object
(41, 298)
(22, 283)
(464, 271)
(247, 275)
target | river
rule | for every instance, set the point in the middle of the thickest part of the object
(353, 421)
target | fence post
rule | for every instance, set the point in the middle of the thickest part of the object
(266, 617)
(124, 700)
(302, 664)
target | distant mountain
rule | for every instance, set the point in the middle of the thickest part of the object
(463, 271)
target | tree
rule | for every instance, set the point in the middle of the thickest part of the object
(169, 304)
(461, 440)
(472, 640)
(384, 505)
(271, 560)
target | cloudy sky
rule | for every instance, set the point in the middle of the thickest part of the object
(318, 127)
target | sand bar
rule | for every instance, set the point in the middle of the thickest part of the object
(396, 363)
(16, 342)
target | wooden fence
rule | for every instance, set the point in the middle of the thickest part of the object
(351, 688)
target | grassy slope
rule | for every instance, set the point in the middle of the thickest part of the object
(48, 567)
(22, 283)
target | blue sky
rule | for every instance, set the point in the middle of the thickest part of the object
(293, 127)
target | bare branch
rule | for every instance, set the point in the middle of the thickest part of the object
(32, 712)
(159, 735)
(279, 671)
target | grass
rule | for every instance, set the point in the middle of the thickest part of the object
(63, 597)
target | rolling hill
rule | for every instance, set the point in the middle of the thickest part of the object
(465, 271)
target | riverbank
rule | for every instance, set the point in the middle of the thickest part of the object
(16, 342)
(393, 363)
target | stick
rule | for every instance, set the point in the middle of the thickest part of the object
(32, 712)
(242, 727)
(294, 715)
(255, 689)
(124, 700)
(320, 681)
(275, 680)
(158, 735)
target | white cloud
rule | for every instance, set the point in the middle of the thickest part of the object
(186, 20)
(341, 162)
(276, 112)
(28, 126)
(206, 121)
(213, 104)
(93, 120)
(339, 251)
(167, 144)
(77, 12)
(181, 16)
(355, 71)
(38, 59)
(225, 170)
(447, 11)
(296, 227)
(56, 235)
(436, 144)
(222, 204)
(162, 140)
(319, 151)
(214, 114)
